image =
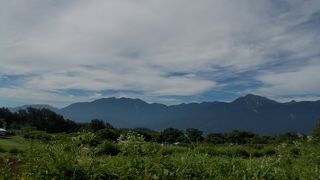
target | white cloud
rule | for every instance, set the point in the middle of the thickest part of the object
(136, 45)
(304, 81)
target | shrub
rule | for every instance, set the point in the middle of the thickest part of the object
(257, 154)
(215, 138)
(295, 152)
(269, 152)
(107, 148)
(257, 146)
(239, 152)
(2, 150)
(107, 134)
(39, 135)
(171, 135)
(132, 144)
(14, 151)
(149, 135)
(316, 130)
(241, 137)
(194, 135)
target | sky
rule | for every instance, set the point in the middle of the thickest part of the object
(168, 51)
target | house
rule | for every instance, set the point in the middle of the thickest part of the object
(3, 132)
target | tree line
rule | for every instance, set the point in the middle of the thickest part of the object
(48, 121)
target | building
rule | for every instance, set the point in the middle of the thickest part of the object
(3, 132)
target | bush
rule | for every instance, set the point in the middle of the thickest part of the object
(257, 146)
(2, 150)
(239, 152)
(107, 148)
(149, 135)
(241, 137)
(269, 152)
(295, 152)
(107, 134)
(215, 138)
(257, 154)
(316, 130)
(171, 135)
(39, 135)
(14, 151)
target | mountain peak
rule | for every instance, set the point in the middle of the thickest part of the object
(253, 100)
(36, 106)
(122, 99)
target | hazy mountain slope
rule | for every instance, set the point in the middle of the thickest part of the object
(37, 106)
(250, 112)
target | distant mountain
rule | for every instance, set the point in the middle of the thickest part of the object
(36, 106)
(251, 112)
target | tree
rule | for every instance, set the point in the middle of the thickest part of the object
(149, 135)
(107, 134)
(215, 138)
(316, 131)
(171, 135)
(194, 135)
(2, 123)
(98, 124)
(241, 137)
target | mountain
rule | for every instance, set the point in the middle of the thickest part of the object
(36, 106)
(251, 112)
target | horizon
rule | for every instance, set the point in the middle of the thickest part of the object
(199, 102)
(62, 52)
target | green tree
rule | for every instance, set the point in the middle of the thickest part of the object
(241, 137)
(107, 134)
(171, 135)
(98, 124)
(194, 135)
(316, 130)
(2, 123)
(215, 138)
(149, 135)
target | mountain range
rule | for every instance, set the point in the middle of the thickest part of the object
(250, 112)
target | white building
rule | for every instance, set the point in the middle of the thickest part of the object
(3, 131)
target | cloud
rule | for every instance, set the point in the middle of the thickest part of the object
(155, 48)
(303, 81)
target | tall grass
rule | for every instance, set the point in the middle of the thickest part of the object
(68, 158)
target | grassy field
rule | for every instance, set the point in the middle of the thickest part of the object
(72, 157)
(13, 142)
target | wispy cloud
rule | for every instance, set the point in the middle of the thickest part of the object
(157, 48)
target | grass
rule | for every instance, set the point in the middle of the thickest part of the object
(66, 159)
(17, 142)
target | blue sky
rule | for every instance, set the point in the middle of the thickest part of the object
(170, 51)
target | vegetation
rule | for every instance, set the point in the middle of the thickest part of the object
(97, 150)
(316, 130)
(74, 157)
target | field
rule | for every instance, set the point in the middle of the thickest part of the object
(74, 156)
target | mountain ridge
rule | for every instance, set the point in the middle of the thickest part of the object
(250, 112)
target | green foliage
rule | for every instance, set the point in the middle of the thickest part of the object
(98, 124)
(38, 135)
(2, 150)
(171, 135)
(215, 138)
(132, 144)
(14, 150)
(134, 158)
(295, 152)
(194, 135)
(240, 137)
(316, 130)
(149, 135)
(107, 148)
(289, 137)
(41, 119)
(107, 134)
